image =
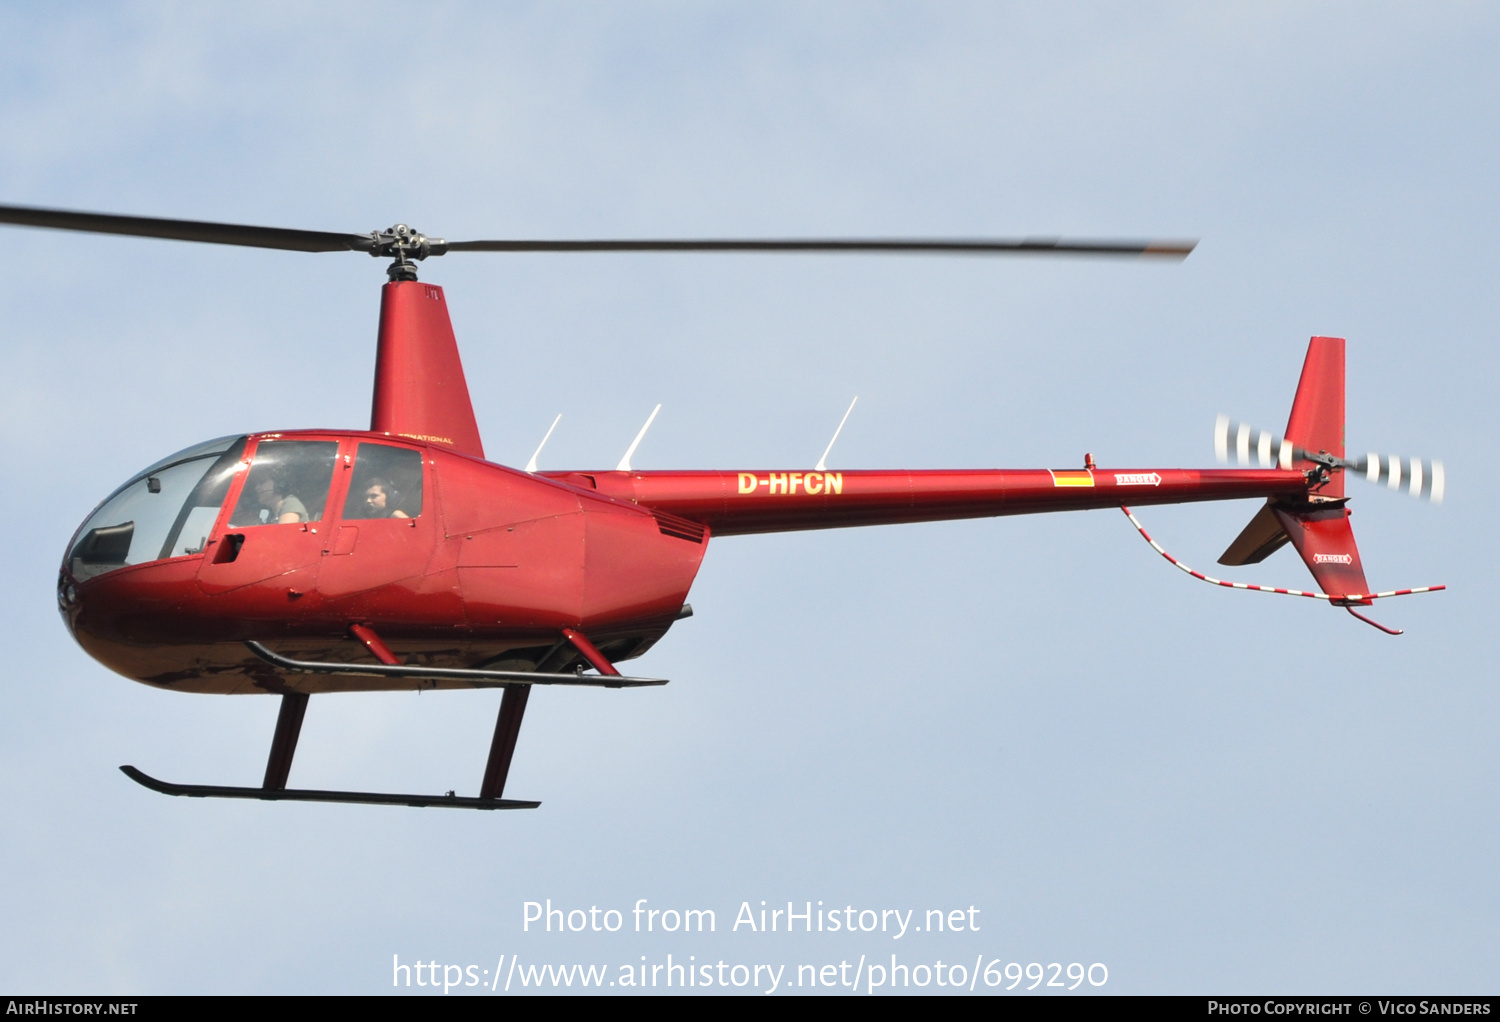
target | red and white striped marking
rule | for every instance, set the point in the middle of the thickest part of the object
(1268, 589)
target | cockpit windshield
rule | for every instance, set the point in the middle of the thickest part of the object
(166, 511)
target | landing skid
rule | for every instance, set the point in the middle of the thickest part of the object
(517, 688)
(376, 798)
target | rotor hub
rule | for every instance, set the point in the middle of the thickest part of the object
(407, 247)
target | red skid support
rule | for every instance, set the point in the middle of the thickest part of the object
(374, 644)
(590, 653)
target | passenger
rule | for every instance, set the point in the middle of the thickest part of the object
(382, 500)
(281, 508)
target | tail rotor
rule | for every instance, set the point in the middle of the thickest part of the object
(1420, 477)
(1317, 525)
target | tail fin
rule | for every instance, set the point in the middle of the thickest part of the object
(1320, 533)
(1319, 529)
(1326, 542)
(1317, 420)
(1316, 523)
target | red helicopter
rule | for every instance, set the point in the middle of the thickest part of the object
(398, 558)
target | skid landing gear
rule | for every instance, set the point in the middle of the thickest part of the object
(517, 687)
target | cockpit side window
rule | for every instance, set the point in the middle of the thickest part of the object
(387, 483)
(287, 484)
(195, 521)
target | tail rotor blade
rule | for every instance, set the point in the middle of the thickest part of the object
(1420, 477)
(1221, 439)
(1269, 449)
(1417, 476)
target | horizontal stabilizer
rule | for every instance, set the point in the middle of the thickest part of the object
(1258, 540)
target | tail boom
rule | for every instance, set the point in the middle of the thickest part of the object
(761, 501)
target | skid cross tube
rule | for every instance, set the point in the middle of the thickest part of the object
(473, 676)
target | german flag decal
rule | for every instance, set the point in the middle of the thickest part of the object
(1066, 477)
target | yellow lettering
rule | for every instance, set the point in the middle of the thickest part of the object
(747, 482)
(814, 482)
(834, 481)
(778, 482)
(796, 482)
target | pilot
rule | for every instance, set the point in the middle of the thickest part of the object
(281, 508)
(382, 500)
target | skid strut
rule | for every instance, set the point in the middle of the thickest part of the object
(513, 708)
(503, 746)
(284, 744)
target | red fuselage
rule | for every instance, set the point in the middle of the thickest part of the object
(487, 565)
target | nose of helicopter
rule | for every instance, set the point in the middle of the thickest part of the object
(68, 599)
(141, 604)
(118, 558)
(132, 619)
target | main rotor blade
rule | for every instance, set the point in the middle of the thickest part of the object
(252, 236)
(944, 246)
(186, 230)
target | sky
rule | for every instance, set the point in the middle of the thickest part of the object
(1199, 791)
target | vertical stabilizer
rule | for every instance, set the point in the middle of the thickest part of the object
(1317, 421)
(1326, 543)
(420, 391)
